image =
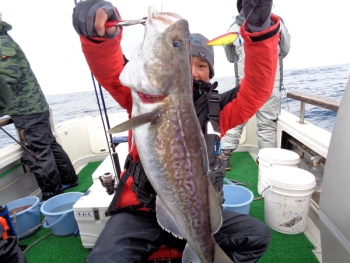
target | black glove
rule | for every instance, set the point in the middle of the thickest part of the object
(84, 17)
(257, 13)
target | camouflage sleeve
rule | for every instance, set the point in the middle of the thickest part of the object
(5, 94)
(27, 96)
(9, 66)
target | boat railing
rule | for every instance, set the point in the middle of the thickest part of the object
(8, 120)
(323, 102)
(5, 121)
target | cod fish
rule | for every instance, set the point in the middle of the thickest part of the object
(168, 137)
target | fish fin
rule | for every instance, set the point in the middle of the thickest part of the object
(135, 122)
(189, 256)
(205, 160)
(166, 220)
(214, 208)
(220, 256)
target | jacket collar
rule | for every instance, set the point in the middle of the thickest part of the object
(4, 27)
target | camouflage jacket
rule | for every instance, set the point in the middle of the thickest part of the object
(27, 96)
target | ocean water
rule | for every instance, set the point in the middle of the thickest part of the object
(327, 81)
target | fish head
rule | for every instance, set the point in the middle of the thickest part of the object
(160, 65)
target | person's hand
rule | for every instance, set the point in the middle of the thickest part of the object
(90, 16)
(257, 13)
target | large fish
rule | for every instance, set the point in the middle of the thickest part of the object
(168, 136)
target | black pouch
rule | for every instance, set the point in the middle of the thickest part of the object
(10, 252)
(213, 149)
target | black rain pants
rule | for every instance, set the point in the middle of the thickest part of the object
(134, 236)
(54, 167)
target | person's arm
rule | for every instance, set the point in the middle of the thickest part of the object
(101, 46)
(106, 62)
(10, 68)
(230, 50)
(261, 54)
(5, 94)
(10, 71)
(284, 43)
(235, 54)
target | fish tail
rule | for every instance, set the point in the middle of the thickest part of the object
(220, 255)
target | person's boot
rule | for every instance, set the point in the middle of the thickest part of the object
(47, 195)
(70, 185)
(227, 164)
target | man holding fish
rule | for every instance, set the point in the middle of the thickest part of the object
(169, 199)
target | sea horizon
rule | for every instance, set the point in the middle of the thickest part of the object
(327, 81)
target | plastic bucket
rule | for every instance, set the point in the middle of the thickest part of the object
(287, 198)
(25, 215)
(59, 215)
(237, 198)
(274, 157)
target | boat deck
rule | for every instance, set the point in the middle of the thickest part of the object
(312, 231)
(313, 234)
(46, 247)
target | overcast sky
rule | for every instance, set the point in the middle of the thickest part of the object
(43, 28)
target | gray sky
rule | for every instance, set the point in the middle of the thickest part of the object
(43, 28)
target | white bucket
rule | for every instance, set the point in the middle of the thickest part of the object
(287, 198)
(274, 157)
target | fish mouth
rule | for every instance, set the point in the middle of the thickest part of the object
(146, 98)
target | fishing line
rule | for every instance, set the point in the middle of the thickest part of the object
(250, 10)
(285, 93)
(103, 122)
(254, 3)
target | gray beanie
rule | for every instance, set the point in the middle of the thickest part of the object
(203, 51)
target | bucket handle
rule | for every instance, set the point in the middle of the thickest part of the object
(265, 190)
(34, 209)
(227, 181)
(261, 196)
(46, 225)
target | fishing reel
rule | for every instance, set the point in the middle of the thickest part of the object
(108, 182)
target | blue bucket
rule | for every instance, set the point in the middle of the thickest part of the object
(237, 198)
(59, 214)
(25, 216)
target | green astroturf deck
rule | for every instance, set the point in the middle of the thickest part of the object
(284, 248)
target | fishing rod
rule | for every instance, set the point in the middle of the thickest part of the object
(35, 156)
(105, 122)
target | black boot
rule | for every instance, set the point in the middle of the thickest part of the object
(227, 164)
